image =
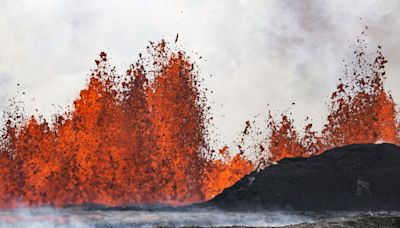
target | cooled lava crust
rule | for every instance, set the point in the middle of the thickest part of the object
(351, 178)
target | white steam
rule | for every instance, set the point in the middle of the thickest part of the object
(76, 217)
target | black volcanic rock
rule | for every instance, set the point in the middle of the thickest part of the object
(351, 178)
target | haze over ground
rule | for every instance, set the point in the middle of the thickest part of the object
(259, 52)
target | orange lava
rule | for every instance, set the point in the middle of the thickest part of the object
(133, 139)
(361, 111)
(224, 172)
(141, 138)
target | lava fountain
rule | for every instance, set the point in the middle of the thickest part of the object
(141, 138)
(136, 139)
(360, 111)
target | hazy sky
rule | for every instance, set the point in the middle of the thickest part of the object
(259, 52)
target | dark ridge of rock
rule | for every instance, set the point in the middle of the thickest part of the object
(351, 178)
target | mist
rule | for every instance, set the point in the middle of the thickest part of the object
(77, 217)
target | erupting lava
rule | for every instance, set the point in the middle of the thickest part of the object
(361, 111)
(141, 138)
(137, 139)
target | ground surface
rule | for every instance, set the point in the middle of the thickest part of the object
(80, 217)
(357, 222)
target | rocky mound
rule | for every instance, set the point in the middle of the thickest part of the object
(351, 178)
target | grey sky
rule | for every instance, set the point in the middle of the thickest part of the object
(259, 52)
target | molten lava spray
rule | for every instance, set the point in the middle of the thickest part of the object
(142, 138)
(361, 111)
(136, 139)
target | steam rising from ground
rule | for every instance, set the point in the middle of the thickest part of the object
(76, 217)
(79, 217)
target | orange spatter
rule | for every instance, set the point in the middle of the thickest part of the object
(137, 139)
(141, 138)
